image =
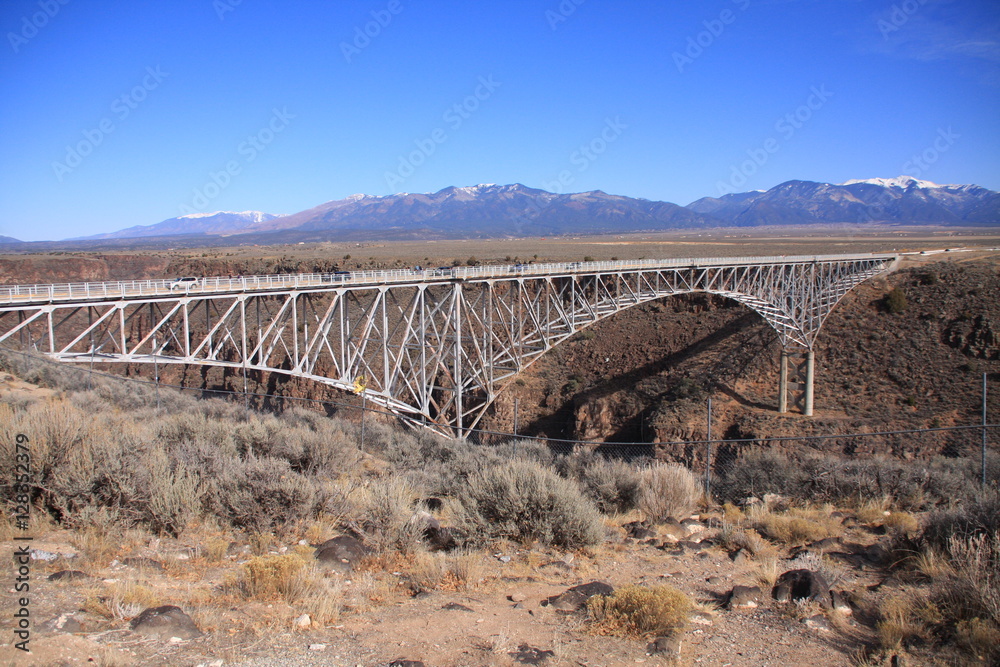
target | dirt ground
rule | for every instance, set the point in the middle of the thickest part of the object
(496, 618)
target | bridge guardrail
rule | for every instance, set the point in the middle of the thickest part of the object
(28, 294)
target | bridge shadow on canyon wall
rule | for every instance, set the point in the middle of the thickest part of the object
(742, 345)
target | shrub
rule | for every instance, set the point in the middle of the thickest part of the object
(761, 471)
(612, 485)
(634, 611)
(523, 501)
(978, 517)
(384, 514)
(274, 577)
(667, 491)
(895, 301)
(262, 494)
(973, 589)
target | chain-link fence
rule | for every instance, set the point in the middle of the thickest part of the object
(896, 464)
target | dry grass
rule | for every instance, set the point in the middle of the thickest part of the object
(732, 538)
(634, 611)
(120, 600)
(767, 569)
(907, 618)
(288, 577)
(460, 570)
(795, 527)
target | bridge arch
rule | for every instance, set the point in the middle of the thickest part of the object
(436, 346)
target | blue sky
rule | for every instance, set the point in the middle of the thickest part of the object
(115, 114)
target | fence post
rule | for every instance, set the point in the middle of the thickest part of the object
(708, 452)
(984, 433)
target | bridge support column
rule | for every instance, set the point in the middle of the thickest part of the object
(783, 382)
(795, 381)
(810, 367)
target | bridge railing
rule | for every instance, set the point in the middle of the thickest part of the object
(16, 294)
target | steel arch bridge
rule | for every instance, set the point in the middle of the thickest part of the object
(434, 345)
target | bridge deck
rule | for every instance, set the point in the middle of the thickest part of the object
(17, 295)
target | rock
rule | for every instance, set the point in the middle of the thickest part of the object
(64, 623)
(503, 558)
(876, 554)
(528, 655)
(740, 557)
(701, 618)
(575, 598)
(444, 538)
(817, 622)
(715, 581)
(454, 606)
(802, 585)
(164, 623)
(517, 597)
(143, 564)
(318, 647)
(744, 596)
(673, 530)
(688, 545)
(826, 544)
(692, 527)
(639, 530)
(840, 603)
(341, 552)
(68, 575)
(51, 551)
(668, 646)
(750, 501)
(303, 621)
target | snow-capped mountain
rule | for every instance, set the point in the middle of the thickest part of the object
(901, 200)
(219, 222)
(487, 210)
(490, 210)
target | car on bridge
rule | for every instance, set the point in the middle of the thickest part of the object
(336, 276)
(443, 271)
(185, 283)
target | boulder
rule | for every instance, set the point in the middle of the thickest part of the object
(802, 585)
(744, 596)
(68, 575)
(575, 598)
(668, 646)
(639, 530)
(165, 623)
(341, 552)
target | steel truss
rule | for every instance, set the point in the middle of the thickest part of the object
(437, 348)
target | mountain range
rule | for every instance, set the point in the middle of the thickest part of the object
(490, 210)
